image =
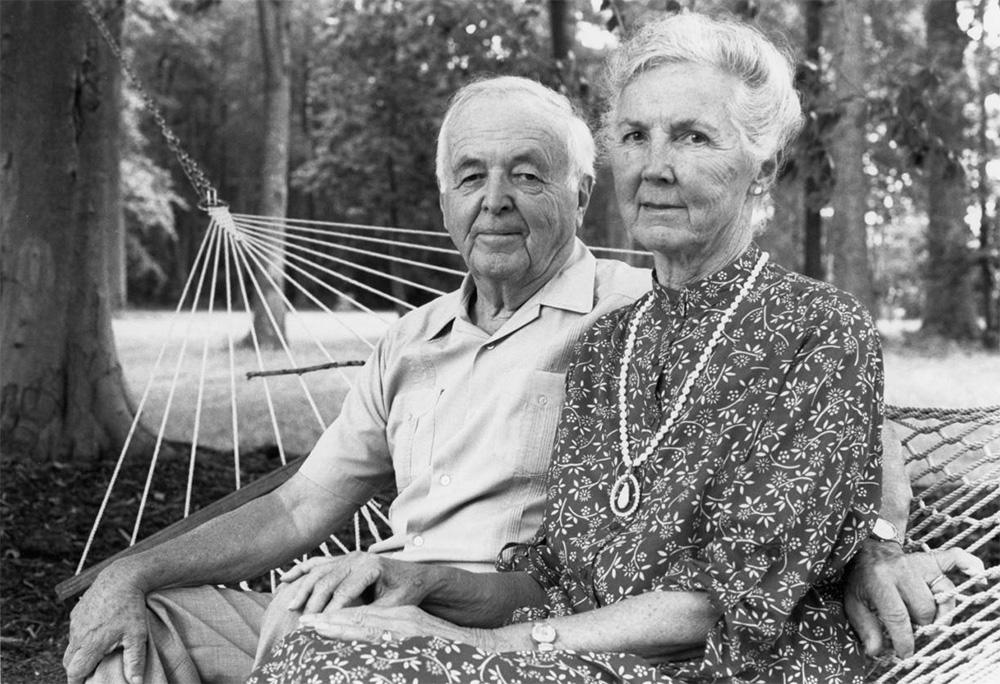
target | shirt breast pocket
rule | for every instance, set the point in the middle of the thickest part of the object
(541, 408)
(411, 426)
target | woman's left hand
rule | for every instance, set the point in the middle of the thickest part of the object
(390, 624)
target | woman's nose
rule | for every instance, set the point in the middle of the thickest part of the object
(658, 165)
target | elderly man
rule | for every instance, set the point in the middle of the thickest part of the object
(458, 405)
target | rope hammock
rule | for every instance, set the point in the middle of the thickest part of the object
(953, 456)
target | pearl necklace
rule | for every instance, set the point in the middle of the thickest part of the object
(626, 492)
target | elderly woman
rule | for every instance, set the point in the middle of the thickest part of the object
(716, 465)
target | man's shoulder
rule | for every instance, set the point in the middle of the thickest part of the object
(426, 320)
(616, 282)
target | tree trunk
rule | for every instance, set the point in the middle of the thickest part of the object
(848, 237)
(949, 304)
(988, 261)
(812, 156)
(274, 20)
(63, 395)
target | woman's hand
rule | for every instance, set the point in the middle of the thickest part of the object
(389, 624)
(324, 584)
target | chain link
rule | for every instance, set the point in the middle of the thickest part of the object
(199, 181)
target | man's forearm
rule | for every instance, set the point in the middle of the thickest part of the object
(479, 599)
(238, 545)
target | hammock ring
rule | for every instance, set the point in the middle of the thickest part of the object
(211, 202)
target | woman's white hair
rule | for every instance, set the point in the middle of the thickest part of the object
(579, 141)
(765, 109)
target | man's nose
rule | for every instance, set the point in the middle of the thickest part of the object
(496, 195)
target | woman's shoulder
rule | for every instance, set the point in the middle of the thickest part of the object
(812, 302)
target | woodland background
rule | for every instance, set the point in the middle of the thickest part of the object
(328, 110)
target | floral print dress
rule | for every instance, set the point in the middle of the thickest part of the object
(758, 496)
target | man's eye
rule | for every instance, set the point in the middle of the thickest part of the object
(634, 137)
(527, 176)
(468, 178)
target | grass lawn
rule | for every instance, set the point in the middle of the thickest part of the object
(936, 373)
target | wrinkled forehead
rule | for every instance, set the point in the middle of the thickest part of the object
(507, 128)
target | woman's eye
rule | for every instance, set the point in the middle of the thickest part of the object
(695, 137)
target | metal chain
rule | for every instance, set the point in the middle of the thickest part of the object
(199, 181)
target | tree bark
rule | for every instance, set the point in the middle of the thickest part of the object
(848, 236)
(274, 20)
(949, 303)
(812, 157)
(988, 261)
(63, 394)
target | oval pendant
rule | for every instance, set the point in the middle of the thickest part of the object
(625, 495)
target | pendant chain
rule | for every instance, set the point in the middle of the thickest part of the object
(682, 396)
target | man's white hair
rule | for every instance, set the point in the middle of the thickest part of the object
(579, 141)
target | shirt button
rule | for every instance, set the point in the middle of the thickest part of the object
(418, 541)
(491, 345)
(445, 480)
(542, 400)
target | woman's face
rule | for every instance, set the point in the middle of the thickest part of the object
(682, 176)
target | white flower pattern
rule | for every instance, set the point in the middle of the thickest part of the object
(758, 497)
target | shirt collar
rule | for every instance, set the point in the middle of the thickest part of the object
(571, 289)
(711, 289)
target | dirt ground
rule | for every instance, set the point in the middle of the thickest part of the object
(46, 512)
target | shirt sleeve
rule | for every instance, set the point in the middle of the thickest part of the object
(796, 508)
(351, 458)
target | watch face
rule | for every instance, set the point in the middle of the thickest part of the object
(885, 530)
(543, 632)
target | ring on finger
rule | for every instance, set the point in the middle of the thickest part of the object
(935, 581)
(386, 636)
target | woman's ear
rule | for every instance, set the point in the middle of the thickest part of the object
(766, 174)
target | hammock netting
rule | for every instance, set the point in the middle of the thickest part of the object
(211, 381)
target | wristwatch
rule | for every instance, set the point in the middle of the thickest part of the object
(544, 635)
(885, 531)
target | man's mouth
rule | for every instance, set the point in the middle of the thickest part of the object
(659, 206)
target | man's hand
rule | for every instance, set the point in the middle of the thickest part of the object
(324, 584)
(111, 614)
(886, 586)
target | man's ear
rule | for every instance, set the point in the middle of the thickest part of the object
(583, 194)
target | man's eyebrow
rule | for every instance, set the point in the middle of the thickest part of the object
(527, 158)
(465, 162)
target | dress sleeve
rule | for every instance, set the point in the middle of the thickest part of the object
(536, 559)
(793, 510)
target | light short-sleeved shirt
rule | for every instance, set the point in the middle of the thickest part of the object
(464, 421)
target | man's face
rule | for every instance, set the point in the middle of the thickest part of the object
(507, 200)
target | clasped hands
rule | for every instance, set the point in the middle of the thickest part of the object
(367, 597)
